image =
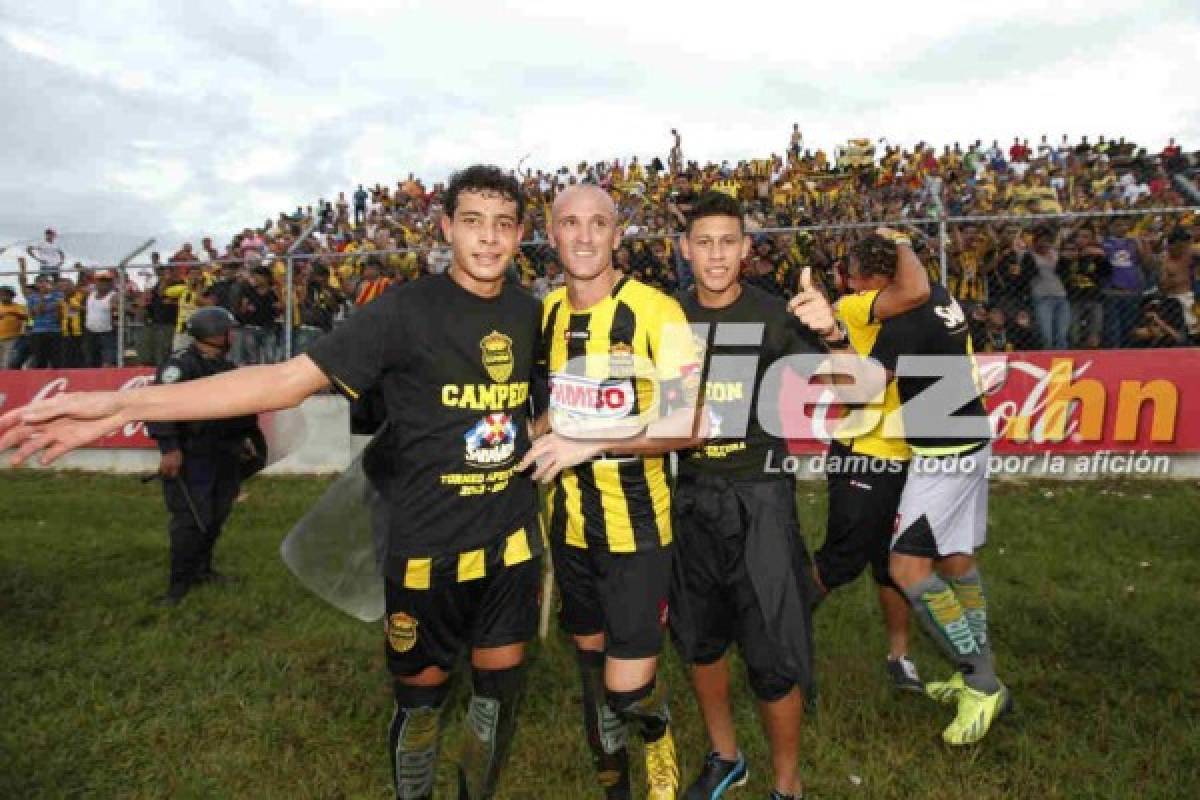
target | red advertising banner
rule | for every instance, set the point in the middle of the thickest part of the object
(18, 387)
(1080, 401)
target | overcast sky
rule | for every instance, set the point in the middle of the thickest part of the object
(174, 119)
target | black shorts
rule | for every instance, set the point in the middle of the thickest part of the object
(742, 574)
(622, 595)
(864, 496)
(432, 627)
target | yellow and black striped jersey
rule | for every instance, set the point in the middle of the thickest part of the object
(71, 314)
(857, 312)
(613, 365)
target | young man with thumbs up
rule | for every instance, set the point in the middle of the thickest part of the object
(941, 521)
(742, 572)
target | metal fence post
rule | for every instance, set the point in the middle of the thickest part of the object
(942, 248)
(122, 284)
(287, 309)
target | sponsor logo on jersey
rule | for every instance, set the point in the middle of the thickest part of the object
(491, 441)
(587, 397)
(401, 632)
(497, 356)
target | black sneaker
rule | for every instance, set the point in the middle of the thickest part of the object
(903, 673)
(717, 776)
(174, 595)
(777, 795)
(217, 578)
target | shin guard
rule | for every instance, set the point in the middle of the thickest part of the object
(605, 730)
(491, 723)
(413, 739)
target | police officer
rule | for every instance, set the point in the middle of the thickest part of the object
(202, 463)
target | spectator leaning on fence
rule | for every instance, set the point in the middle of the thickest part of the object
(1084, 269)
(71, 313)
(258, 307)
(162, 315)
(100, 333)
(1046, 290)
(12, 323)
(1180, 266)
(1126, 281)
(188, 296)
(45, 334)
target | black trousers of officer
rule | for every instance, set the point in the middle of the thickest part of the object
(212, 482)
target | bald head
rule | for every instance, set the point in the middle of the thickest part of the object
(583, 200)
(583, 227)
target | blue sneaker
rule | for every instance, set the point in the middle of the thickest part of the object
(717, 776)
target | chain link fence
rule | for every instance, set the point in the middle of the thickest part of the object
(1038, 281)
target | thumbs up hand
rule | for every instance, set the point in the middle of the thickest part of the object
(811, 308)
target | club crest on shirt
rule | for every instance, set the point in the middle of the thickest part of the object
(620, 360)
(401, 632)
(491, 441)
(497, 352)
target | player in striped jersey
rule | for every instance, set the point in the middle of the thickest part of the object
(614, 349)
(942, 517)
(866, 470)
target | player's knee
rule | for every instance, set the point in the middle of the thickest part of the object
(498, 658)
(589, 642)
(431, 676)
(497, 683)
(410, 695)
(882, 575)
(767, 685)
(908, 570)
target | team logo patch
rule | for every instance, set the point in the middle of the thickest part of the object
(401, 632)
(620, 360)
(171, 374)
(491, 441)
(497, 356)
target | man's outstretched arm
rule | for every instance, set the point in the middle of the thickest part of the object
(909, 289)
(68, 421)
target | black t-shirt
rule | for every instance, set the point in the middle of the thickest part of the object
(260, 308)
(1084, 275)
(159, 311)
(734, 378)
(937, 328)
(455, 371)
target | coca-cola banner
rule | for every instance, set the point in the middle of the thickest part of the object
(1057, 402)
(18, 387)
(1083, 401)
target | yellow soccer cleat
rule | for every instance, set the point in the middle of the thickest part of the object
(976, 713)
(662, 770)
(947, 691)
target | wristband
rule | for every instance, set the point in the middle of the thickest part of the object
(838, 338)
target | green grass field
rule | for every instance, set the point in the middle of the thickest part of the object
(262, 691)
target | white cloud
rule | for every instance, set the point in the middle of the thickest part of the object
(189, 118)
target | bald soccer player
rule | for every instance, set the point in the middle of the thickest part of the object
(616, 353)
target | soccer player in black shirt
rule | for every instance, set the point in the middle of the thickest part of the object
(453, 356)
(743, 572)
(942, 518)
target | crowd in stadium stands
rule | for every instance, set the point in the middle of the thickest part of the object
(1112, 281)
